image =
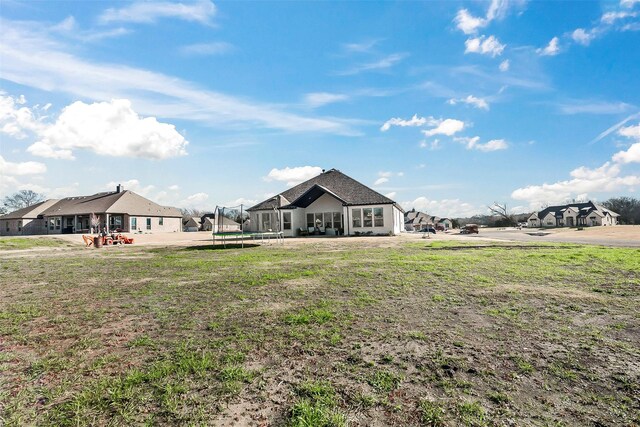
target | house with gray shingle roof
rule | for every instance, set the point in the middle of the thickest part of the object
(331, 203)
(223, 225)
(587, 214)
(120, 210)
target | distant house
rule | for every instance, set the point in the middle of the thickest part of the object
(416, 221)
(330, 203)
(120, 210)
(228, 225)
(587, 214)
(191, 224)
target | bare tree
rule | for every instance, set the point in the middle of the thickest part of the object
(506, 218)
(21, 199)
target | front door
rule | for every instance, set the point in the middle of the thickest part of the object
(570, 221)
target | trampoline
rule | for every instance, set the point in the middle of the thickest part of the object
(221, 235)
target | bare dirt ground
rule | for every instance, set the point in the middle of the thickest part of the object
(622, 235)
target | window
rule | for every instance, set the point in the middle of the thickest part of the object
(266, 221)
(134, 224)
(20, 225)
(310, 223)
(327, 220)
(357, 218)
(378, 217)
(286, 220)
(161, 221)
(58, 223)
(148, 223)
(337, 220)
(115, 221)
(368, 217)
(52, 223)
(318, 220)
(6, 224)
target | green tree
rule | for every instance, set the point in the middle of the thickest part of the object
(627, 207)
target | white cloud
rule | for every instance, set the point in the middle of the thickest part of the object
(21, 168)
(493, 145)
(174, 187)
(484, 46)
(203, 49)
(381, 64)
(109, 129)
(583, 181)
(470, 24)
(473, 143)
(632, 154)
(148, 12)
(471, 100)
(293, 176)
(363, 47)
(197, 198)
(611, 17)
(630, 131)
(413, 121)
(391, 195)
(582, 106)
(447, 127)
(467, 23)
(17, 121)
(583, 37)
(318, 99)
(133, 185)
(381, 180)
(31, 59)
(449, 208)
(504, 65)
(551, 49)
(628, 3)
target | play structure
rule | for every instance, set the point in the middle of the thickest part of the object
(109, 239)
(222, 233)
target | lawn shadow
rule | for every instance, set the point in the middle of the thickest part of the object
(220, 246)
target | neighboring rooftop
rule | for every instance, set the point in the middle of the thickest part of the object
(116, 202)
(343, 187)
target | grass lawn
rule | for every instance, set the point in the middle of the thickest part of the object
(7, 243)
(347, 333)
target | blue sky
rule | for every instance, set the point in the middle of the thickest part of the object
(443, 106)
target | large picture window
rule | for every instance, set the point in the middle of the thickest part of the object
(310, 223)
(378, 217)
(367, 221)
(286, 220)
(318, 220)
(357, 218)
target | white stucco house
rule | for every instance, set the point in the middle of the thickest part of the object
(119, 211)
(331, 203)
(586, 214)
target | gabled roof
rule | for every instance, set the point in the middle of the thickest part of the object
(191, 222)
(584, 209)
(123, 202)
(30, 212)
(341, 186)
